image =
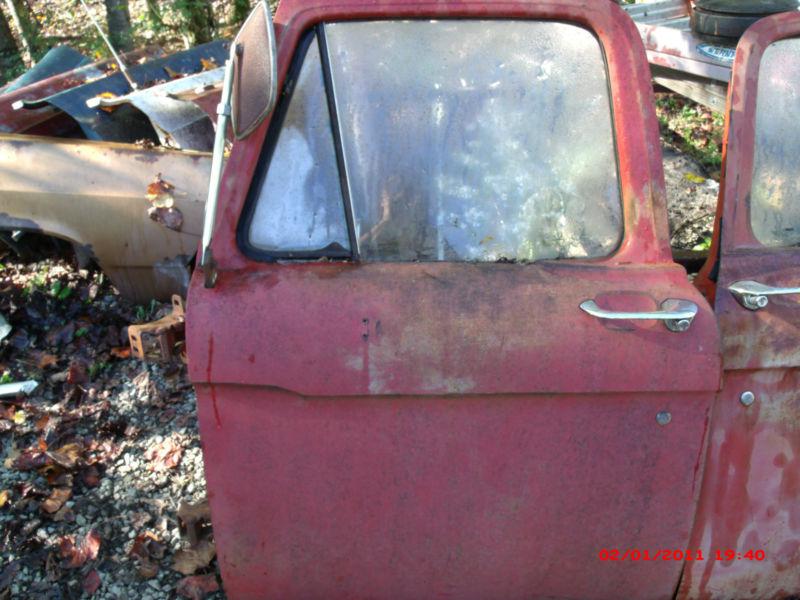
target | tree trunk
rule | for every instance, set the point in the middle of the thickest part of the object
(241, 8)
(22, 23)
(119, 24)
(199, 18)
(9, 53)
(154, 13)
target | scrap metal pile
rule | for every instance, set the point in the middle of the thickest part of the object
(115, 161)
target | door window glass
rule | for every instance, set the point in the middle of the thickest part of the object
(775, 195)
(299, 207)
(476, 140)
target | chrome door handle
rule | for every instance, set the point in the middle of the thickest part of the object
(676, 314)
(753, 295)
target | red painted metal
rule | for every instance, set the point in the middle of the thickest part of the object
(751, 490)
(442, 429)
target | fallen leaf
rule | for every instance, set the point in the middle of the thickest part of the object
(3, 498)
(173, 74)
(197, 587)
(166, 455)
(67, 456)
(90, 476)
(47, 360)
(189, 560)
(19, 417)
(31, 459)
(56, 500)
(146, 549)
(91, 583)
(208, 64)
(41, 424)
(76, 374)
(195, 520)
(62, 335)
(75, 556)
(694, 178)
(121, 352)
(107, 96)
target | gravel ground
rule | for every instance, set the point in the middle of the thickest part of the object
(100, 461)
(691, 200)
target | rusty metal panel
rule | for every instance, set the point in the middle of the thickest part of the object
(751, 492)
(18, 121)
(751, 496)
(95, 195)
(122, 125)
(465, 430)
(58, 60)
(178, 121)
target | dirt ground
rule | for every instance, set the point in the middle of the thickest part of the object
(691, 200)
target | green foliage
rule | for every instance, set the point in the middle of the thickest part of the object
(693, 128)
(60, 291)
(704, 245)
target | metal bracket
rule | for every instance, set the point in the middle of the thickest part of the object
(163, 339)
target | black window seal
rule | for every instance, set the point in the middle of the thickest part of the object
(337, 140)
(334, 250)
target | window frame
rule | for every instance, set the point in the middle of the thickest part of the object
(736, 237)
(317, 32)
(332, 251)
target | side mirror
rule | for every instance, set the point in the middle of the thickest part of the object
(255, 71)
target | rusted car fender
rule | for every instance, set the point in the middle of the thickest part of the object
(94, 194)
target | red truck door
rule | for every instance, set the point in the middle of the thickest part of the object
(748, 524)
(448, 353)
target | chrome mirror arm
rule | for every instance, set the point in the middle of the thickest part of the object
(223, 118)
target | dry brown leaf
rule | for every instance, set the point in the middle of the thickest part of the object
(173, 74)
(75, 556)
(197, 587)
(208, 64)
(67, 456)
(188, 561)
(76, 374)
(56, 500)
(41, 424)
(3, 498)
(195, 520)
(90, 476)
(166, 455)
(91, 583)
(146, 549)
(47, 360)
(121, 352)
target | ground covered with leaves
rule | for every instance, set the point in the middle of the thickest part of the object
(101, 491)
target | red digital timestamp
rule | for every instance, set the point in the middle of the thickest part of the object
(617, 555)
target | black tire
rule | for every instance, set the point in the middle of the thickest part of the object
(730, 18)
(747, 7)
